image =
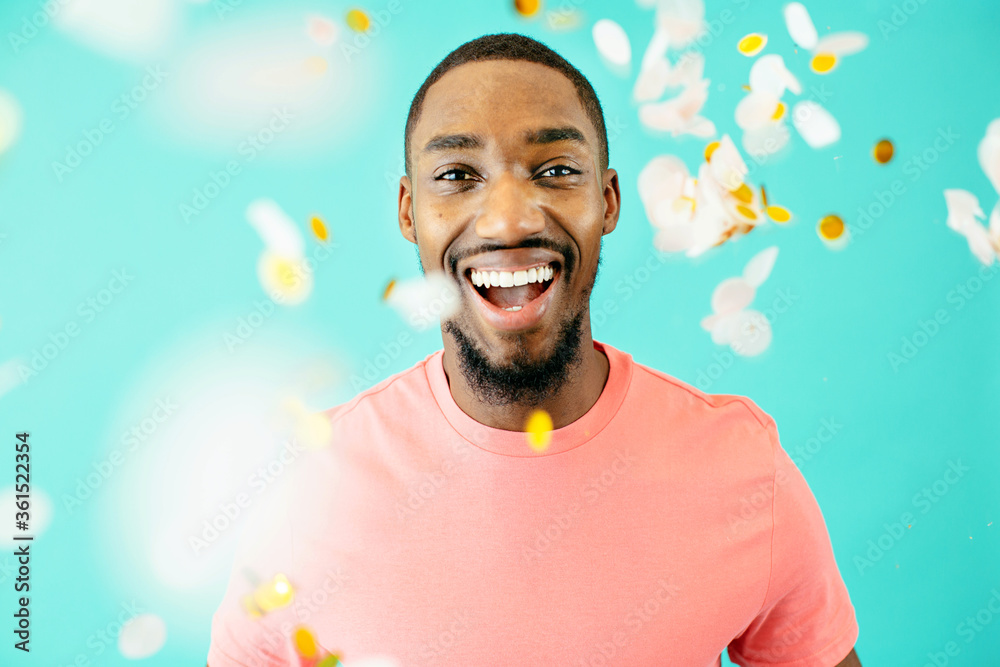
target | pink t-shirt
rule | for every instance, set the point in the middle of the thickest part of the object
(661, 527)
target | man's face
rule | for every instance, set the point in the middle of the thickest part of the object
(506, 176)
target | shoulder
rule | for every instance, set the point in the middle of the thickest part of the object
(393, 393)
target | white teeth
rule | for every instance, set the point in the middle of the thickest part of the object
(512, 279)
(513, 308)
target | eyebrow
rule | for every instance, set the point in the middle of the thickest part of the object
(547, 135)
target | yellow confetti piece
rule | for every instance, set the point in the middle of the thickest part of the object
(746, 88)
(305, 642)
(319, 228)
(274, 594)
(752, 44)
(823, 63)
(251, 607)
(358, 21)
(830, 228)
(746, 212)
(779, 112)
(332, 660)
(315, 65)
(709, 149)
(743, 193)
(527, 7)
(539, 430)
(778, 213)
(763, 194)
(883, 151)
(388, 289)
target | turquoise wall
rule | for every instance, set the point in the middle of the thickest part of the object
(186, 322)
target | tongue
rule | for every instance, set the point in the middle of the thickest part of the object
(505, 297)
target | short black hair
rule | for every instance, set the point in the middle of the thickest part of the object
(510, 46)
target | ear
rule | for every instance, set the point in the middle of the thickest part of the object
(612, 200)
(407, 225)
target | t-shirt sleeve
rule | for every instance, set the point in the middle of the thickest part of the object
(807, 619)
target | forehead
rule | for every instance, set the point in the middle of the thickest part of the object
(500, 100)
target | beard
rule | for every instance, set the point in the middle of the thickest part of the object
(523, 380)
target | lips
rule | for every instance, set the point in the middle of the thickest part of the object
(528, 317)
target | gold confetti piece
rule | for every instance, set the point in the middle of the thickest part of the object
(746, 88)
(315, 65)
(388, 289)
(752, 44)
(527, 7)
(779, 112)
(539, 430)
(358, 21)
(778, 213)
(709, 149)
(743, 193)
(274, 594)
(319, 228)
(763, 195)
(564, 19)
(883, 151)
(332, 660)
(831, 228)
(822, 63)
(746, 212)
(305, 642)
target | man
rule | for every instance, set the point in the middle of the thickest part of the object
(657, 526)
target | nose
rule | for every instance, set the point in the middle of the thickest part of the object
(509, 212)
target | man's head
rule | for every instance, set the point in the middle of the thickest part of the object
(507, 168)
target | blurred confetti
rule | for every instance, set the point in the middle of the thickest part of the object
(142, 636)
(268, 596)
(357, 20)
(282, 268)
(10, 120)
(827, 51)
(423, 300)
(746, 331)
(564, 19)
(527, 7)
(883, 151)
(612, 42)
(964, 211)
(120, 28)
(538, 430)
(761, 113)
(322, 30)
(815, 124)
(312, 429)
(319, 229)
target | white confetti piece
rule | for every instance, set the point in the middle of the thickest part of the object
(815, 124)
(142, 636)
(800, 25)
(612, 42)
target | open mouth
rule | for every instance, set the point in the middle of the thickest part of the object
(518, 300)
(512, 291)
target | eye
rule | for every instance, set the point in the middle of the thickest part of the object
(562, 170)
(453, 175)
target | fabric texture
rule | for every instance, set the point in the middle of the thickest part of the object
(660, 528)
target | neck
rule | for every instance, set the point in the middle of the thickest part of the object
(570, 402)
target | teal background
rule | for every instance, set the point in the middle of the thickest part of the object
(899, 427)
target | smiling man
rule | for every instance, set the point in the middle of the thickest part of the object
(659, 525)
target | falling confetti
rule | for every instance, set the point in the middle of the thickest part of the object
(10, 120)
(833, 232)
(883, 151)
(313, 429)
(288, 281)
(358, 21)
(538, 430)
(826, 52)
(746, 331)
(709, 149)
(275, 228)
(564, 19)
(527, 7)
(424, 299)
(305, 643)
(964, 214)
(388, 289)
(142, 636)
(612, 42)
(800, 26)
(270, 595)
(322, 30)
(752, 44)
(319, 228)
(315, 65)
(989, 153)
(815, 124)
